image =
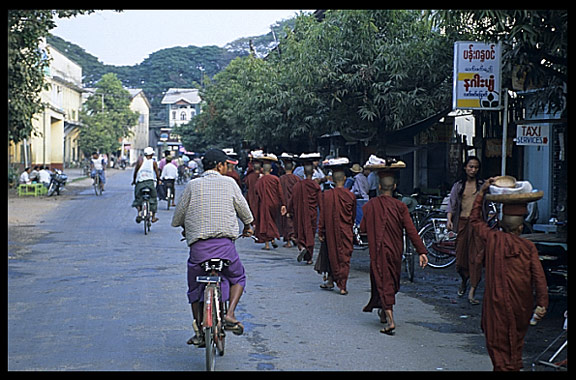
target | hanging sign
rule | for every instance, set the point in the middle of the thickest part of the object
(532, 135)
(477, 75)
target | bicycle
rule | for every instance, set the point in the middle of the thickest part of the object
(440, 241)
(97, 183)
(213, 310)
(169, 185)
(145, 212)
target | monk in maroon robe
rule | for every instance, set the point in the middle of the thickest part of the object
(250, 182)
(303, 206)
(271, 204)
(515, 281)
(384, 220)
(286, 225)
(337, 217)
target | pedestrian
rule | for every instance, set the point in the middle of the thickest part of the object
(252, 175)
(231, 163)
(335, 226)
(361, 187)
(515, 280)
(303, 206)
(271, 204)
(287, 181)
(34, 174)
(373, 183)
(384, 221)
(207, 212)
(468, 249)
(25, 176)
(145, 174)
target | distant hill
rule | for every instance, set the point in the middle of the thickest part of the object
(172, 67)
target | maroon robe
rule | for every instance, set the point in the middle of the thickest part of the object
(286, 225)
(250, 182)
(513, 270)
(270, 198)
(384, 220)
(304, 207)
(234, 174)
(337, 217)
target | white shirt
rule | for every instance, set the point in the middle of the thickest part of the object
(44, 176)
(146, 171)
(24, 177)
(169, 171)
(97, 162)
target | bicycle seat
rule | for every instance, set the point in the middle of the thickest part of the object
(214, 264)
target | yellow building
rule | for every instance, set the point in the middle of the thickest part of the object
(57, 125)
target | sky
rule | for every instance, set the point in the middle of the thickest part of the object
(126, 38)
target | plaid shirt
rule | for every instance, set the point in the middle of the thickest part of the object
(209, 206)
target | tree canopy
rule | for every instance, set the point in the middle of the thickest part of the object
(106, 116)
(359, 72)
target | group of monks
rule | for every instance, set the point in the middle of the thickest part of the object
(296, 209)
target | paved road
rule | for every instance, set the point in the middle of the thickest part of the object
(94, 293)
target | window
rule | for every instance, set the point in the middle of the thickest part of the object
(183, 115)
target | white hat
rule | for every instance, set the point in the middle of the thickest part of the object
(148, 151)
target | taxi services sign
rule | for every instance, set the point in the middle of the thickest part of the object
(477, 75)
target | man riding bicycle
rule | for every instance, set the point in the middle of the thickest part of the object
(145, 173)
(207, 213)
(97, 167)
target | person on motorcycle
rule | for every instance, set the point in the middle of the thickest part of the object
(98, 166)
(207, 213)
(145, 174)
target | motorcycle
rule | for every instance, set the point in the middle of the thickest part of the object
(57, 181)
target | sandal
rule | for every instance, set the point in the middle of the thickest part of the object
(236, 327)
(388, 331)
(473, 301)
(301, 254)
(197, 340)
(327, 287)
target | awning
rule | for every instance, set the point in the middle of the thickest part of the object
(415, 128)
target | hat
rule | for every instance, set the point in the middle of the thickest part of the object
(215, 155)
(356, 168)
(148, 151)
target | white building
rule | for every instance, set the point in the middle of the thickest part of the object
(182, 105)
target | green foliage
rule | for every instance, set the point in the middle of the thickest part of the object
(26, 63)
(106, 116)
(358, 72)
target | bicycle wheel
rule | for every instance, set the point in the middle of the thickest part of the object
(409, 261)
(220, 335)
(209, 325)
(145, 216)
(168, 197)
(97, 188)
(441, 254)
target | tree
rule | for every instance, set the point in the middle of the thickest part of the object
(106, 116)
(362, 73)
(26, 63)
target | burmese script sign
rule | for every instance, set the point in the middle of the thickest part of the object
(477, 73)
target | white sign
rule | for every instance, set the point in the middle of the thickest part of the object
(477, 75)
(532, 135)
